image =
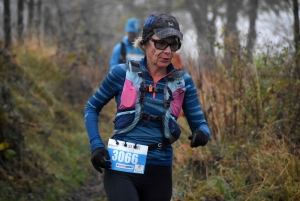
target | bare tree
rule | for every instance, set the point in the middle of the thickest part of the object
(38, 20)
(296, 36)
(20, 20)
(252, 13)
(61, 34)
(49, 27)
(296, 25)
(204, 29)
(30, 17)
(7, 27)
(231, 31)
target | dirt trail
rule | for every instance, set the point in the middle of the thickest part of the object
(92, 190)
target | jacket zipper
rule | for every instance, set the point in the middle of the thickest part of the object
(154, 93)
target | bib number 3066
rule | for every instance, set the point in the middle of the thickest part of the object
(127, 157)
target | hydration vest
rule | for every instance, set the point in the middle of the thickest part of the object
(131, 108)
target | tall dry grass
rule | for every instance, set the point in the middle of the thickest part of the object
(252, 109)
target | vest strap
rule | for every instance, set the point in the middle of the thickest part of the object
(157, 145)
(156, 90)
(151, 117)
(161, 145)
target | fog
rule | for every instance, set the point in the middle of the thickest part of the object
(99, 24)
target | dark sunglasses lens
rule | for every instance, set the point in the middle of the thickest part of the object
(160, 44)
(175, 46)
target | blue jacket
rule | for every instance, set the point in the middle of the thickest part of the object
(131, 53)
(144, 133)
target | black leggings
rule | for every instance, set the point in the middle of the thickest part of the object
(154, 185)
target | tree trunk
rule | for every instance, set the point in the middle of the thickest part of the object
(199, 10)
(38, 21)
(212, 29)
(231, 32)
(60, 34)
(20, 20)
(296, 37)
(48, 26)
(252, 29)
(30, 17)
(7, 27)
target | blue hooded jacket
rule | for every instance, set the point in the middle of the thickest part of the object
(151, 132)
(132, 53)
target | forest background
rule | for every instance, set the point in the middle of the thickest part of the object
(242, 54)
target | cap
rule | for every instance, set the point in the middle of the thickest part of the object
(163, 25)
(132, 25)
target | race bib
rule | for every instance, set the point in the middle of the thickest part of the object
(127, 157)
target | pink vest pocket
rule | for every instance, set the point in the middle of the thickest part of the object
(129, 96)
(177, 102)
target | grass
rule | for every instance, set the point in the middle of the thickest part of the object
(54, 155)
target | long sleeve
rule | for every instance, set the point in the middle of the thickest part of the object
(192, 108)
(108, 89)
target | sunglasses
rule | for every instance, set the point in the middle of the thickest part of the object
(162, 44)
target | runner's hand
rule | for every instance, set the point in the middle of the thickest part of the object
(198, 138)
(99, 159)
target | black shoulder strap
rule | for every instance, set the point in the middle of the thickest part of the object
(135, 65)
(123, 53)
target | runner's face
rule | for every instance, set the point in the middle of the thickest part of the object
(157, 57)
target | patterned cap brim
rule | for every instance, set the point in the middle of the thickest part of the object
(167, 32)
